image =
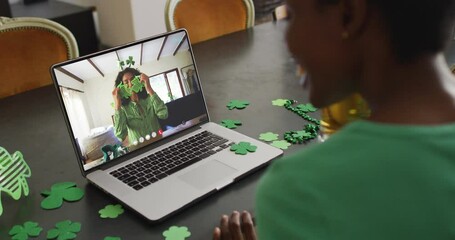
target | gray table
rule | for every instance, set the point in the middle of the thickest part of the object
(253, 65)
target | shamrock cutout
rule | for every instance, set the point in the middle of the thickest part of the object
(64, 230)
(111, 211)
(231, 124)
(112, 238)
(121, 64)
(279, 102)
(282, 144)
(176, 233)
(61, 191)
(130, 61)
(268, 136)
(125, 91)
(137, 84)
(243, 148)
(239, 104)
(30, 229)
(306, 107)
(14, 170)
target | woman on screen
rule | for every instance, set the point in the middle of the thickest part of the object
(137, 108)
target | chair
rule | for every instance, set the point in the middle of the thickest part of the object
(29, 46)
(207, 19)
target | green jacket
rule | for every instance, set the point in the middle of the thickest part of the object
(135, 123)
(368, 181)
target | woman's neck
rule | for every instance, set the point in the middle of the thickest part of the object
(421, 92)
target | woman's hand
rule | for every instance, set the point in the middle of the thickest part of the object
(146, 82)
(117, 98)
(236, 227)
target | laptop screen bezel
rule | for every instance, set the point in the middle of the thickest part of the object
(145, 148)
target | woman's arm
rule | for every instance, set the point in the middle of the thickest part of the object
(158, 105)
(120, 126)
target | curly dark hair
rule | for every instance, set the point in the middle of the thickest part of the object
(142, 94)
(415, 27)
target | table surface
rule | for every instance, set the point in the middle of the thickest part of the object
(253, 65)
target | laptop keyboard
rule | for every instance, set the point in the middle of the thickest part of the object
(161, 164)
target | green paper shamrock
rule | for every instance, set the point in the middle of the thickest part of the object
(279, 102)
(243, 148)
(111, 211)
(112, 238)
(125, 91)
(30, 229)
(231, 124)
(15, 171)
(64, 230)
(137, 84)
(61, 191)
(306, 107)
(282, 144)
(239, 104)
(176, 233)
(268, 136)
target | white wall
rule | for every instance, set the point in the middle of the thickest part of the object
(124, 21)
(148, 17)
(115, 21)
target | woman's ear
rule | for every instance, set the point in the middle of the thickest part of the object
(354, 17)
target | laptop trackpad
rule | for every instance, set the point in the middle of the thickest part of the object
(208, 174)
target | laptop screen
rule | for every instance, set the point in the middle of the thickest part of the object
(126, 98)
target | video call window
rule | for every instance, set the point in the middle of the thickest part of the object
(123, 100)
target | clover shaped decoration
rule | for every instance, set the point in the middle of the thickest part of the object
(231, 124)
(239, 104)
(111, 211)
(61, 191)
(121, 64)
(268, 136)
(125, 91)
(176, 233)
(282, 144)
(64, 230)
(243, 148)
(306, 107)
(137, 84)
(130, 61)
(29, 229)
(279, 102)
(14, 172)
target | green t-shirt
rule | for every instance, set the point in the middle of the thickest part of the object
(368, 181)
(138, 120)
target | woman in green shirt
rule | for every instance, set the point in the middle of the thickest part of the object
(136, 117)
(392, 176)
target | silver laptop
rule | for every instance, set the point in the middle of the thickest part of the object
(139, 125)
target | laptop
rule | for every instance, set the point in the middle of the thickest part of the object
(139, 125)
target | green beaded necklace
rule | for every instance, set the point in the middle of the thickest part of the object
(310, 130)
